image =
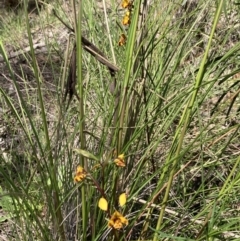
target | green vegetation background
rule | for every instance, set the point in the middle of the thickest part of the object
(171, 106)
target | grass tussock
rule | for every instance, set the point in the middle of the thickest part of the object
(120, 121)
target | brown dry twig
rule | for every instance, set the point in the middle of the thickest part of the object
(94, 51)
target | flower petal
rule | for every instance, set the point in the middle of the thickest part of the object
(103, 204)
(122, 199)
(121, 156)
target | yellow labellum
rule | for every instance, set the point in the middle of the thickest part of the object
(103, 204)
(122, 199)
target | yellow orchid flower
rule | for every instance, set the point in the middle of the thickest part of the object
(119, 161)
(80, 174)
(117, 221)
(126, 19)
(126, 4)
(122, 40)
